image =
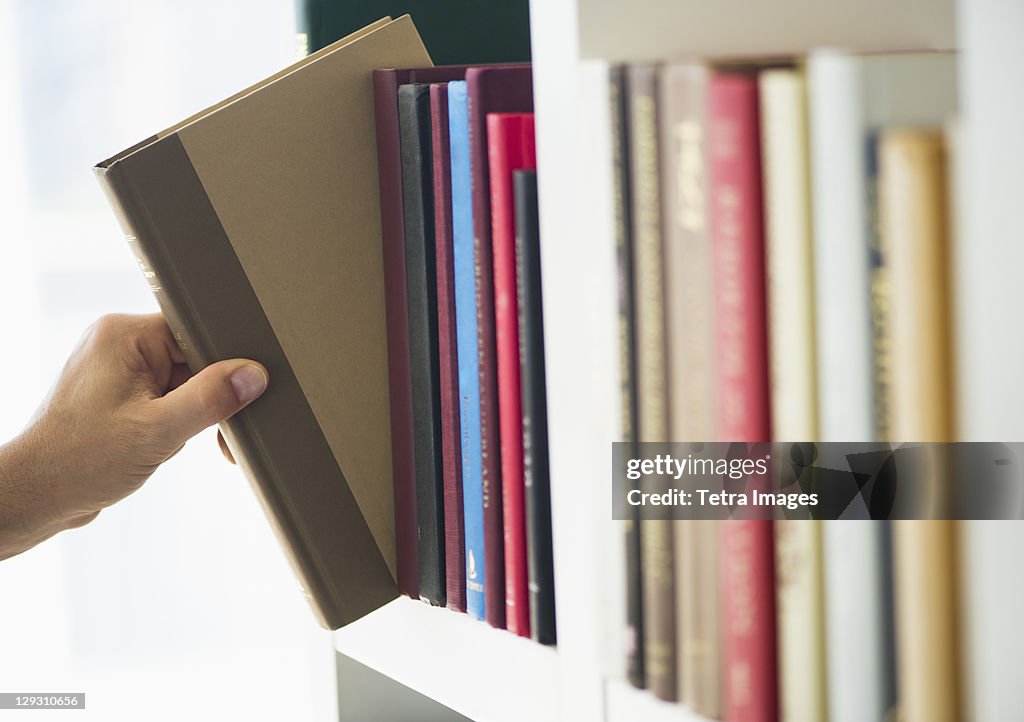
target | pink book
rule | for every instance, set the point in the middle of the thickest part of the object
(747, 559)
(510, 147)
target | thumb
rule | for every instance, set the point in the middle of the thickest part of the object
(212, 395)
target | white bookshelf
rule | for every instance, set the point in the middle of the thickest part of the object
(463, 663)
(491, 675)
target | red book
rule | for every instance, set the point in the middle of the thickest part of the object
(389, 162)
(511, 147)
(490, 90)
(747, 561)
(451, 443)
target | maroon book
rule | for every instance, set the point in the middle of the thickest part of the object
(490, 90)
(451, 443)
(389, 162)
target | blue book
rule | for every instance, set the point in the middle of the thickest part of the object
(466, 340)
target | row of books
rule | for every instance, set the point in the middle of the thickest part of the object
(783, 238)
(459, 219)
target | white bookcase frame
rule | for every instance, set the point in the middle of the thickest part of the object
(491, 675)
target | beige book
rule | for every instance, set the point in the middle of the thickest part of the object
(914, 226)
(800, 605)
(689, 331)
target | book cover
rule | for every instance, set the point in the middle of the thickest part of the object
(454, 31)
(747, 559)
(392, 229)
(915, 238)
(451, 432)
(255, 214)
(490, 90)
(793, 385)
(651, 383)
(627, 360)
(540, 565)
(511, 147)
(689, 295)
(468, 352)
(421, 301)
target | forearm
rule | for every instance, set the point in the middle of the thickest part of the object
(27, 512)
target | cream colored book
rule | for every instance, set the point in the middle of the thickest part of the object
(800, 599)
(915, 227)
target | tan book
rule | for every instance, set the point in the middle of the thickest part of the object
(914, 216)
(257, 224)
(689, 332)
(800, 607)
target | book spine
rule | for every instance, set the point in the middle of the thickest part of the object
(691, 383)
(790, 289)
(540, 562)
(421, 280)
(856, 594)
(841, 261)
(860, 672)
(490, 452)
(913, 215)
(914, 228)
(881, 344)
(510, 141)
(172, 293)
(451, 444)
(652, 416)
(389, 161)
(627, 361)
(468, 352)
(747, 560)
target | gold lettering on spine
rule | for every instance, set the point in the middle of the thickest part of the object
(485, 480)
(650, 283)
(688, 137)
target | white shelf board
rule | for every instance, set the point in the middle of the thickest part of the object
(487, 674)
(658, 29)
(626, 703)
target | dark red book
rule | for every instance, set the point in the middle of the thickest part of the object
(389, 162)
(490, 90)
(747, 560)
(511, 147)
(451, 443)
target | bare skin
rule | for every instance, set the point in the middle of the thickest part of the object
(124, 404)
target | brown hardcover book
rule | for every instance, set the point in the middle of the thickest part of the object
(652, 416)
(689, 330)
(914, 216)
(634, 638)
(257, 224)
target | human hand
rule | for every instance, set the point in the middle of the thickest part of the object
(125, 403)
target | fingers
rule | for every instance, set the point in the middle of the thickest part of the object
(224, 448)
(214, 394)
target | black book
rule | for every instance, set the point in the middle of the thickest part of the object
(421, 285)
(627, 364)
(536, 477)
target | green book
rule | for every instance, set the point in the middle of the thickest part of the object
(455, 32)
